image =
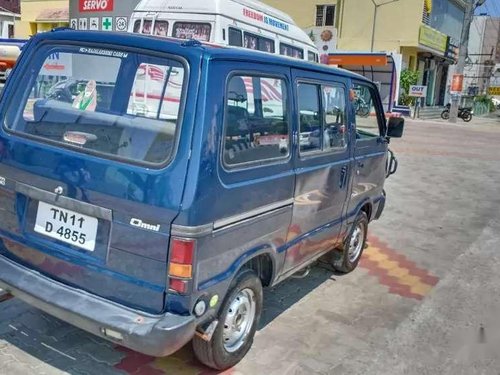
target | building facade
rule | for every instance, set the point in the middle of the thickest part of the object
(9, 14)
(482, 54)
(425, 32)
(41, 15)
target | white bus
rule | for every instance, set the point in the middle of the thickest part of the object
(242, 23)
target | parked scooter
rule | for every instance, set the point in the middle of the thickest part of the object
(465, 113)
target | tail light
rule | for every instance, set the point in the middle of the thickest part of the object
(180, 270)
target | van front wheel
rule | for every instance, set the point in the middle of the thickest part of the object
(238, 319)
(346, 258)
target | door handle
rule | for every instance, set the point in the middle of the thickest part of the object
(361, 164)
(343, 176)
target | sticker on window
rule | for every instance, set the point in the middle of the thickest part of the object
(186, 30)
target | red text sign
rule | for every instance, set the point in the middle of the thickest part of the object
(96, 5)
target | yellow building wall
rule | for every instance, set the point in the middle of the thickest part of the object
(302, 11)
(30, 9)
(396, 30)
(397, 25)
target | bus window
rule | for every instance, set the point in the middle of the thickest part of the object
(259, 43)
(160, 27)
(311, 56)
(192, 30)
(235, 37)
(291, 51)
(266, 45)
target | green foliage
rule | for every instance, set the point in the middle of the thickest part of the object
(486, 100)
(408, 78)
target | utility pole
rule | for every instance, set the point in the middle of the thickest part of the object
(375, 19)
(462, 54)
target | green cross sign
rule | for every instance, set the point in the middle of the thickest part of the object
(107, 23)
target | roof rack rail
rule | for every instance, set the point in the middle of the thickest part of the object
(191, 43)
(62, 28)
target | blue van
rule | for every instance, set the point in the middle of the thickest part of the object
(150, 188)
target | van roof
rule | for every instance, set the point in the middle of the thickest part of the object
(170, 45)
(208, 6)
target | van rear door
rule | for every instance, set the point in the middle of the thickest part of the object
(91, 160)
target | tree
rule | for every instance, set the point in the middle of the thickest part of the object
(408, 78)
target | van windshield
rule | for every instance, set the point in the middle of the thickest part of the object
(110, 102)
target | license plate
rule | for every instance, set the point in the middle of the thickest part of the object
(67, 226)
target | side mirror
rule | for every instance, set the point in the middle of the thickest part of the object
(395, 127)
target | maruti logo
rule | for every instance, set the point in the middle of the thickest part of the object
(140, 224)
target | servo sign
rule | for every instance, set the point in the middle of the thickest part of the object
(96, 5)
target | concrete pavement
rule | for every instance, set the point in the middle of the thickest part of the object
(456, 330)
(416, 304)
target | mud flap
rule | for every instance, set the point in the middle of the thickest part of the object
(207, 333)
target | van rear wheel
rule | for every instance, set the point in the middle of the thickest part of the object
(346, 258)
(238, 319)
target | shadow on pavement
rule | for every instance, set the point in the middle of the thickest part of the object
(39, 341)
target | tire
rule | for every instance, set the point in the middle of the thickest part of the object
(346, 258)
(225, 350)
(467, 116)
(445, 115)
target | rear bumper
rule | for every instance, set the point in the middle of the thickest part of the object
(153, 335)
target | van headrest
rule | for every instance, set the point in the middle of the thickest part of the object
(236, 90)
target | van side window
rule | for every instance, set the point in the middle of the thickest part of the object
(367, 114)
(253, 41)
(235, 37)
(291, 51)
(309, 117)
(256, 126)
(322, 118)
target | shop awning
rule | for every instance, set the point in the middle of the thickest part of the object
(53, 15)
(373, 59)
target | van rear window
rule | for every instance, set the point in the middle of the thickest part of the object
(192, 30)
(114, 103)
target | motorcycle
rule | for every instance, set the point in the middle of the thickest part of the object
(465, 113)
(361, 107)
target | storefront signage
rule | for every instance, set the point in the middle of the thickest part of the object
(451, 50)
(96, 5)
(494, 90)
(418, 91)
(432, 38)
(265, 19)
(457, 83)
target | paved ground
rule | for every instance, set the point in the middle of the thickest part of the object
(424, 300)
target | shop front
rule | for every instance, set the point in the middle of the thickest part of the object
(432, 64)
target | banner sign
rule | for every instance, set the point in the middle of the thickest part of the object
(433, 38)
(494, 90)
(457, 83)
(418, 91)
